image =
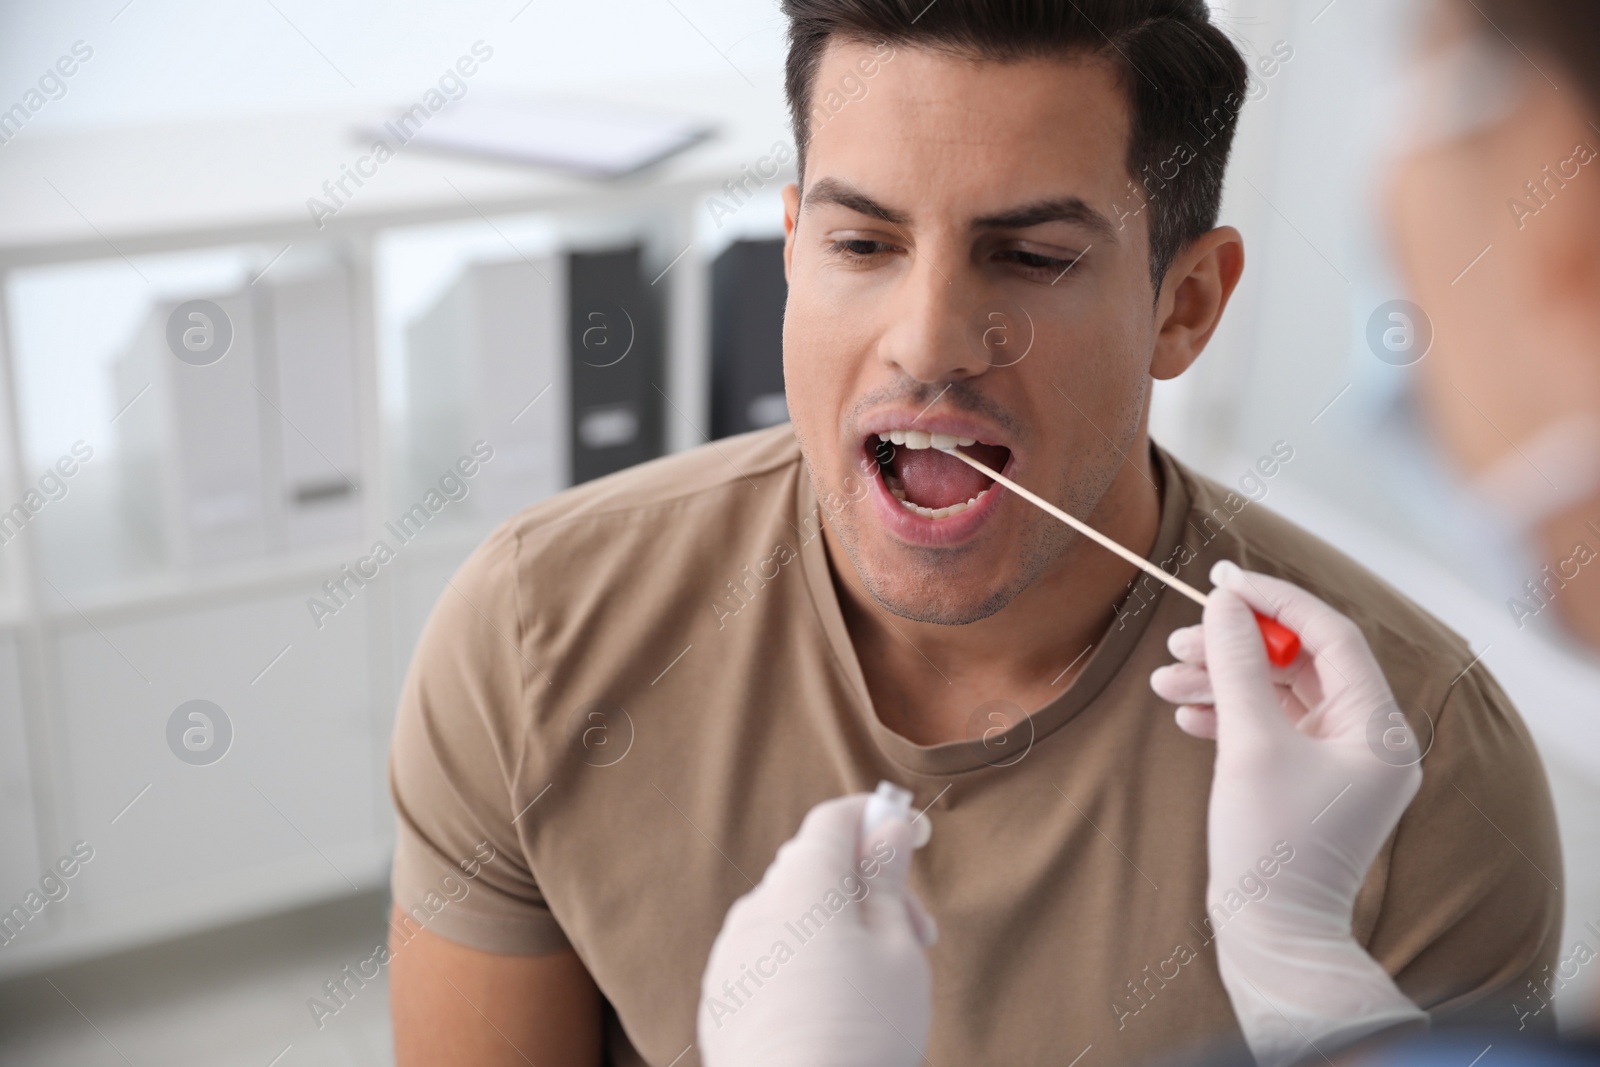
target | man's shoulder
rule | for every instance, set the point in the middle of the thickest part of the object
(1231, 526)
(705, 476)
(664, 515)
(1469, 873)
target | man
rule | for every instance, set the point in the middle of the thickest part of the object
(631, 694)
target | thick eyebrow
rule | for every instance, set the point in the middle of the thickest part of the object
(833, 191)
(1070, 209)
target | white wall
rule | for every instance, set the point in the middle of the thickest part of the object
(163, 60)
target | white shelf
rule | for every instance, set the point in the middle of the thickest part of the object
(92, 728)
(217, 182)
(174, 589)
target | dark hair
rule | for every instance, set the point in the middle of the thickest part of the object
(1569, 30)
(1185, 79)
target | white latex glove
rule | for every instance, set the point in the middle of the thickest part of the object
(1301, 802)
(822, 964)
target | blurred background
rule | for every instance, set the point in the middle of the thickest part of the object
(458, 258)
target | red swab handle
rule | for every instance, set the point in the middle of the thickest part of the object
(1283, 644)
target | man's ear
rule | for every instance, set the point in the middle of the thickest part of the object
(1194, 293)
(791, 218)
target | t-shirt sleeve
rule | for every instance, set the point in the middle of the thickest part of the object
(1472, 904)
(459, 867)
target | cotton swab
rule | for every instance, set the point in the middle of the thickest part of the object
(1283, 644)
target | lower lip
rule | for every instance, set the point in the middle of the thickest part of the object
(952, 530)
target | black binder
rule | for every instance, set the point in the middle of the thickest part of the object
(748, 292)
(615, 339)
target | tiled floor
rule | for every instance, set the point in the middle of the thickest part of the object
(231, 998)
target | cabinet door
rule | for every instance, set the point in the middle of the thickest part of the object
(286, 809)
(20, 862)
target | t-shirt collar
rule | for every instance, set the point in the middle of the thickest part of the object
(986, 749)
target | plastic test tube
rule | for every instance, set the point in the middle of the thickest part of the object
(890, 801)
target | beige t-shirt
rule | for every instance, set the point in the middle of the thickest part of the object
(630, 694)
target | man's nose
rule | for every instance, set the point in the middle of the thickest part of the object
(937, 328)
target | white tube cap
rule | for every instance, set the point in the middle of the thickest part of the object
(890, 801)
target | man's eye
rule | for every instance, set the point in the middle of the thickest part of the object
(1036, 263)
(859, 248)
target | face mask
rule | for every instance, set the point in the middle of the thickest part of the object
(1544, 476)
(1461, 89)
(1476, 535)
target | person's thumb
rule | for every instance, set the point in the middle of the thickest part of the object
(886, 855)
(885, 868)
(1236, 660)
(824, 848)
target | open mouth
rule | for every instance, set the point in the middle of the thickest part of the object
(925, 480)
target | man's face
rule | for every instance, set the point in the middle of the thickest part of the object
(965, 262)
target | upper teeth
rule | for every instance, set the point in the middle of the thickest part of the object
(915, 439)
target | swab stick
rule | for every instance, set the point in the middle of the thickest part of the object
(1283, 644)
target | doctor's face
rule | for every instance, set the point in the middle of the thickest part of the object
(1494, 208)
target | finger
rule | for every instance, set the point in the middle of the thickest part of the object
(1182, 683)
(1236, 660)
(1324, 632)
(825, 845)
(1335, 650)
(886, 853)
(1188, 644)
(885, 866)
(922, 923)
(1197, 721)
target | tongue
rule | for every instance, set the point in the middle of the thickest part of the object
(932, 479)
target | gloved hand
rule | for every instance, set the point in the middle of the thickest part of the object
(823, 962)
(1301, 802)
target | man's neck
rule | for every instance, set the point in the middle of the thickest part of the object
(926, 680)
